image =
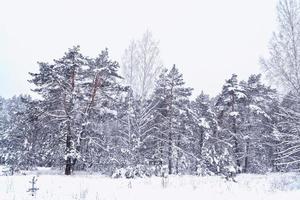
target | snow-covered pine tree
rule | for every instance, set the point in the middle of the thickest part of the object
(73, 89)
(3, 128)
(127, 139)
(230, 103)
(57, 84)
(100, 91)
(172, 97)
(204, 131)
(258, 123)
(135, 135)
(245, 118)
(15, 133)
(21, 136)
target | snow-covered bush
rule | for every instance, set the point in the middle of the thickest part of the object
(203, 170)
(133, 172)
(5, 170)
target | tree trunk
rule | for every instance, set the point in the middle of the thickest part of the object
(201, 143)
(170, 154)
(235, 140)
(246, 158)
(236, 151)
(68, 105)
(69, 159)
(178, 156)
(68, 168)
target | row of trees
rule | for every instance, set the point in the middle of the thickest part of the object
(90, 118)
(88, 121)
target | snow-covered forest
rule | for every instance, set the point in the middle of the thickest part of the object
(137, 118)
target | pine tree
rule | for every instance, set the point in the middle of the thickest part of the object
(172, 98)
(135, 134)
(258, 123)
(230, 103)
(204, 129)
(22, 138)
(75, 88)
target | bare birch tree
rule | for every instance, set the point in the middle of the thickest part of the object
(130, 64)
(283, 66)
(141, 64)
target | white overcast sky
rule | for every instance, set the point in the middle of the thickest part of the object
(207, 39)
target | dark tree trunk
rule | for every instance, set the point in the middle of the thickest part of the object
(201, 143)
(246, 158)
(69, 104)
(170, 166)
(236, 151)
(235, 140)
(68, 168)
(178, 154)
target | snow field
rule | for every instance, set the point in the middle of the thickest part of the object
(96, 187)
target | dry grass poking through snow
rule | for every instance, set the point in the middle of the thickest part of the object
(93, 187)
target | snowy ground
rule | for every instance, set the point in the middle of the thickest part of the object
(95, 187)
